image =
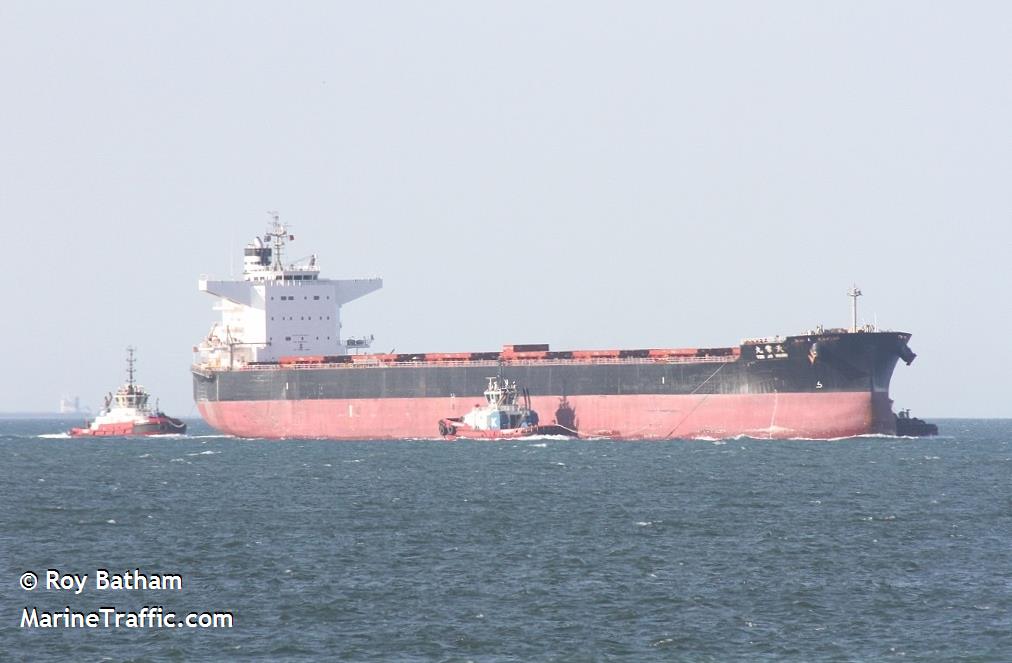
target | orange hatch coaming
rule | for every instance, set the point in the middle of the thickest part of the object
(513, 354)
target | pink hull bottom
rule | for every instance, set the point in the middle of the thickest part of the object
(777, 416)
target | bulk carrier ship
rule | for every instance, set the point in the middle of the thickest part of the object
(277, 366)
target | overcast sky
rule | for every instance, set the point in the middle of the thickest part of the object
(582, 174)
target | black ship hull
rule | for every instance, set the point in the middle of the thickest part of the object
(819, 385)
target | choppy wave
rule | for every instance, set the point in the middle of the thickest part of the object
(699, 550)
(157, 436)
(869, 436)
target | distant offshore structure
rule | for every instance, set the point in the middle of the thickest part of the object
(68, 408)
(72, 406)
(277, 366)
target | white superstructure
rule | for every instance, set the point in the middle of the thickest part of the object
(278, 310)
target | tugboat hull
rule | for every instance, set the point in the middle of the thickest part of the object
(907, 426)
(159, 426)
(452, 429)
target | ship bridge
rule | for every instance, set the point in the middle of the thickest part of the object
(277, 309)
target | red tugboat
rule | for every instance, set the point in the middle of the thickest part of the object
(501, 418)
(126, 413)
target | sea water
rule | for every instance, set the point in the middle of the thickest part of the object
(533, 550)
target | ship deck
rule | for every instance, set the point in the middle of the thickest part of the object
(380, 361)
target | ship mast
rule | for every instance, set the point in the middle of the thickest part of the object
(130, 365)
(279, 234)
(854, 293)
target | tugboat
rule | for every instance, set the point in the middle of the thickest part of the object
(501, 418)
(126, 413)
(908, 426)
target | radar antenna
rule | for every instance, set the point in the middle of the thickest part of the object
(854, 293)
